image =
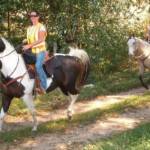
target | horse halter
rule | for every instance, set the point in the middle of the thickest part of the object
(8, 54)
(141, 57)
(15, 79)
(135, 48)
(16, 64)
(14, 68)
(135, 45)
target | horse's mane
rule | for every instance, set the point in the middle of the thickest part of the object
(145, 43)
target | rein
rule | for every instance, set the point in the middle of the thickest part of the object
(16, 64)
(15, 79)
(141, 57)
(14, 68)
(8, 54)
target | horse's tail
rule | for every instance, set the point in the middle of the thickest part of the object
(83, 56)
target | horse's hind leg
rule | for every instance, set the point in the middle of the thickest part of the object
(73, 99)
(28, 100)
(142, 82)
(141, 72)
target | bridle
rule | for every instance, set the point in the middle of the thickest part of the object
(8, 53)
(9, 76)
(16, 64)
(140, 57)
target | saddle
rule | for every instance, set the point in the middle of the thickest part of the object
(30, 60)
(33, 75)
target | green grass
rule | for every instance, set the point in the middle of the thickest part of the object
(47, 102)
(114, 83)
(80, 119)
(136, 139)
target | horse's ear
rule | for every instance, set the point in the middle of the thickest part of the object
(132, 35)
(0, 65)
(2, 45)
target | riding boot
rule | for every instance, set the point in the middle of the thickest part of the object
(40, 90)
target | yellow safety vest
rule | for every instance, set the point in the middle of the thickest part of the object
(32, 36)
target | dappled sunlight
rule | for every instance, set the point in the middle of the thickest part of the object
(121, 122)
(96, 130)
(108, 126)
(88, 106)
(44, 143)
(51, 115)
(29, 143)
(104, 128)
(100, 102)
(18, 122)
(99, 127)
(124, 122)
(17, 119)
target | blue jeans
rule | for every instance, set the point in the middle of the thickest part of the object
(39, 68)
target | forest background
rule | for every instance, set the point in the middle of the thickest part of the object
(101, 27)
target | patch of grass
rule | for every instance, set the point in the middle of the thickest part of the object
(136, 139)
(79, 119)
(47, 102)
(117, 82)
(114, 83)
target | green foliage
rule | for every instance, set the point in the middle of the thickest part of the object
(101, 27)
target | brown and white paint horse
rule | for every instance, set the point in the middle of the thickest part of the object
(68, 72)
(140, 50)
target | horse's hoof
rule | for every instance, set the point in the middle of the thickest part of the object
(69, 115)
(69, 118)
(147, 88)
(34, 129)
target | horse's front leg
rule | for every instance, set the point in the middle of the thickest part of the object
(28, 100)
(73, 99)
(2, 115)
(6, 100)
(141, 73)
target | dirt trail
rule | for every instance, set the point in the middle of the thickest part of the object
(74, 138)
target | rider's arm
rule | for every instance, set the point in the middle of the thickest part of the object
(41, 38)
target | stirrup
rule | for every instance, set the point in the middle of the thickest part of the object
(40, 91)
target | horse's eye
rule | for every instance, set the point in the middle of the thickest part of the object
(134, 43)
(2, 45)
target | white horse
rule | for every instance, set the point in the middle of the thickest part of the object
(140, 50)
(17, 83)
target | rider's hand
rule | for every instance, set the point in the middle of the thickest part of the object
(26, 47)
(24, 41)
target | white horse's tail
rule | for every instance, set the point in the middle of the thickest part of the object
(81, 54)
